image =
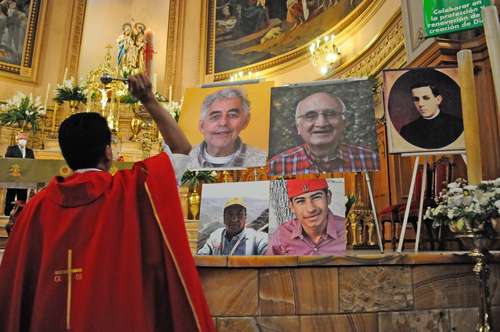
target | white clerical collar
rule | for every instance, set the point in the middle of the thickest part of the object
(218, 160)
(432, 117)
(84, 170)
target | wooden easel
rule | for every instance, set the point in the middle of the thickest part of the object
(422, 194)
(374, 212)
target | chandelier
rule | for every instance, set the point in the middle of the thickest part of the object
(325, 55)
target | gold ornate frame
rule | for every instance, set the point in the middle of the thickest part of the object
(27, 69)
(350, 23)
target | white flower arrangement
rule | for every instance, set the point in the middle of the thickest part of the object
(70, 90)
(22, 109)
(466, 207)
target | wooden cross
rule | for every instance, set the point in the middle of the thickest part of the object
(69, 272)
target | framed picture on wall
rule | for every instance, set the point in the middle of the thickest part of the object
(253, 35)
(21, 24)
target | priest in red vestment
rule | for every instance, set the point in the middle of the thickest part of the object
(96, 252)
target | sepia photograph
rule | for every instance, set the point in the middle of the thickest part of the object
(423, 110)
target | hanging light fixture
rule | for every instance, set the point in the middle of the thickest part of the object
(325, 55)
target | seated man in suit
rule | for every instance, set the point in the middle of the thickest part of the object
(17, 151)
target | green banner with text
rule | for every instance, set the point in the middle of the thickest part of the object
(446, 16)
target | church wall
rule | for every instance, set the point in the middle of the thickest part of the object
(103, 24)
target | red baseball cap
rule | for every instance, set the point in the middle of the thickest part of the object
(299, 187)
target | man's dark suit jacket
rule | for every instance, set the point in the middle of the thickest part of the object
(435, 133)
(14, 151)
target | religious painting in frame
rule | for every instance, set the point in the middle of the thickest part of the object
(234, 219)
(423, 110)
(209, 121)
(326, 126)
(254, 35)
(280, 212)
(21, 24)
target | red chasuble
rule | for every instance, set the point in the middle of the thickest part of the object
(96, 252)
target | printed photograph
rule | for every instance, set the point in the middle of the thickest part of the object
(234, 219)
(307, 217)
(227, 126)
(423, 110)
(327, 127)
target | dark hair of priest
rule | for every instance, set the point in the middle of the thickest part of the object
(434, 89)
(83, 138)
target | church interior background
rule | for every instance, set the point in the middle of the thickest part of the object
(429, 290)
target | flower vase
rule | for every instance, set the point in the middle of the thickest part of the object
(479, 238)
(194, 205)
(184, 196)
(73, 106)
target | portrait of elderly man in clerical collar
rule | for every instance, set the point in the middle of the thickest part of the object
(335, 129)
(225, 120)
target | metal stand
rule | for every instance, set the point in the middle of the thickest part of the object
(482, 271)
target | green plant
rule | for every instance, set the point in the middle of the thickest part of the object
(22, 109)
(351, 200)
(68, 91)
(194, 178)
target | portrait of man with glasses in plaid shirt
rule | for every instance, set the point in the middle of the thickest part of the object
(321, 123)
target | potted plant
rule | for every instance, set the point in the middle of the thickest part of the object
(70, 92)
(22, 110)
(193, 180)
(472, 213)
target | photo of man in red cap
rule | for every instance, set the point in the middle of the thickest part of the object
(315, 230)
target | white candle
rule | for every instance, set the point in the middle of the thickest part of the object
(47, 96)
(170, 93)
(65, 74)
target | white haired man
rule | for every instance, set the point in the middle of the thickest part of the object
(320, 121)
(224, 114)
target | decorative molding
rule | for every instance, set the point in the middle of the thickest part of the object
(348, 26)
(376, 55)
(75, 36)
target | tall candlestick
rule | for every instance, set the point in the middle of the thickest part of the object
(470, 116)
(65, 74)
(54, 114)
(148, 52)
(46, 97)
(170, 93)
(492, 33)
